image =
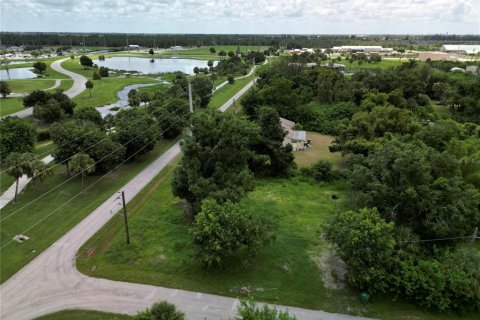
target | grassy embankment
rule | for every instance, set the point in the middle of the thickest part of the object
(84, 315)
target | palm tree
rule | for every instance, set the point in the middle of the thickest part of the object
(19, 164)
(41, 171)
(82, 163)
(89, 86)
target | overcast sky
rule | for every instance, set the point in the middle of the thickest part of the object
(244, 16)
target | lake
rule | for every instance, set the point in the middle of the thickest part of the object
(17, 74)
(145, 66)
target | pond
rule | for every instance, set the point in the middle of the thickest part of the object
(17, 74)
(122, 101)
(145, 66)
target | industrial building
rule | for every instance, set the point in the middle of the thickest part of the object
(366, 49)
(464, 49)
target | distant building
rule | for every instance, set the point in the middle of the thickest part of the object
(334, 66)
(133, 46)
(469, 49)
(300, 51)
(176, 48)
(365, 49)
(297, 138)
(435, 56)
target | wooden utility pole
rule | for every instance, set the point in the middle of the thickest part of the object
(475, 234)
(125, 218)
(234, 106)
(190, 101)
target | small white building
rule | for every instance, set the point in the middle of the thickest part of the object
(133, 46)
(473, 69)
(469, 49)
(176, 48)
(297, 138)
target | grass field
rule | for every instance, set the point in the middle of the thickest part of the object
(288, 271)
(29, 85)
(221, 96)
(318, 151)
(442, 110)
(84, 315)
(75, 66)
(10, 105)
(16, 255)
(356, 67)
(105, 91)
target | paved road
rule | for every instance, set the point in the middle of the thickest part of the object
(9, 194)
(77, 88)
(51, 281)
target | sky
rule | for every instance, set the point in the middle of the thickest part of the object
(243, 16)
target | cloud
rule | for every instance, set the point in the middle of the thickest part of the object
(203, 15)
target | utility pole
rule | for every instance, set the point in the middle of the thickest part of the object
(234, 106)
(125, 218)
(475, 234)
(190, 101)
(84, 49)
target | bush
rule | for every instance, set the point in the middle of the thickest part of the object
(162, 310)
(43, 135)
(221, 231)
(104, 72)
(249, 311)
(320, 171)
(96, 76)
(231, 79)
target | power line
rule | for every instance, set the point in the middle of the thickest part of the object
(80, 193)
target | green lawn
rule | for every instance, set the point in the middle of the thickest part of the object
(318, 151)
(221, 96)
(29, 85)
(16, 255)
(84, 315)
(356, 67)
(44, 148)
(10, 105)
(75, 66)
(442, 110)
(5, 179)
(105, 91)
(285, 272)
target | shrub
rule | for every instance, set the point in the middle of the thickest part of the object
(104, 72)
(162, 310)
(43, 135)
(249, 311)
(231, 79)
(96, 76)
(221, 231)
(320, 171)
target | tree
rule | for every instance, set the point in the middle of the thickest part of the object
(248, 310)
(202, 87)
(96, 75)
(5, 89)
(172, 116)
(104, 72)
(89, 86)
(222, 53)
(271, 158)
(366, 243)
(89, 114)
(196, 70)
(86, 62)
(215, 160)
(231, 53)
(41, 171)
(162, 310)
(210, 63)
(133, 98)
(39, 97)
(144, 97)
(151, 52)
(16, 135)
(138, 138)
(212, 50)
(231, 79)
(221, 231)
(39, 67)
(83, 164)
(19, 164)
(49, 112)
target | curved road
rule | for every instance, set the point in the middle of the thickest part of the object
(51, 281)
(77, 88)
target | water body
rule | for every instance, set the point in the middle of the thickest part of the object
(122, 101)
(17, 74)
(145, 66)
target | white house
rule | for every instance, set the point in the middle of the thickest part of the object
(470, 49)
(297, 138)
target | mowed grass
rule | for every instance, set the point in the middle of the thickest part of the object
(318, 151)
(29, 85)
(105, 91)
(226, 92)
(47, 225)
(285, 272)
(84, 315)
(10, 105)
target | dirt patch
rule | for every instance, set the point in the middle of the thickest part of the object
(333, 268)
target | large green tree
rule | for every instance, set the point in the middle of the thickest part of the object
(16, 135)
(172, 115)
(20, 164)
(4, 89)
(202, 88)
(215, 160)
(82, 164)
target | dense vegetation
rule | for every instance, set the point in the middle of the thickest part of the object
(413, 196)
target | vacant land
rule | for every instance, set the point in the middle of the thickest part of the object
(221, 96)
(51, 224)
(318, 151)
(10, 105)
(84, 315)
